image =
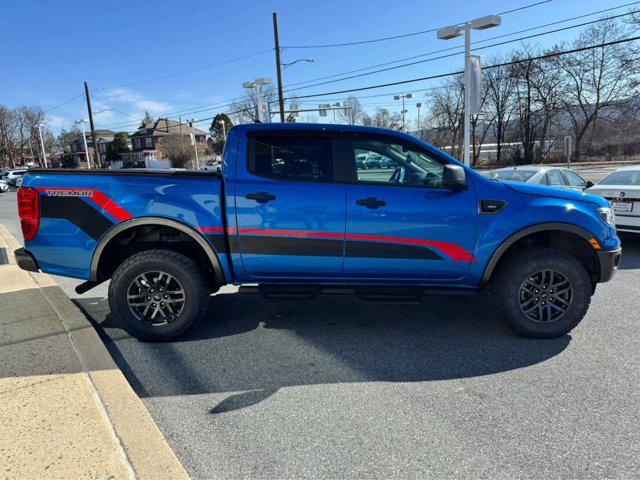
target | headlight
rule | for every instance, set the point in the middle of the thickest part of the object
(606, 215)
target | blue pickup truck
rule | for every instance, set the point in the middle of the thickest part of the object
(292, 214)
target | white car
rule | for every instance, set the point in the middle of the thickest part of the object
(13, 176)
(4, 186)
(622, 189)
(558, 177)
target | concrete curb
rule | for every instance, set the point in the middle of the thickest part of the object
(145, 451)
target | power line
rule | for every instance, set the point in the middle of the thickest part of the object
(443, 75)
(109, 106)
(63, 103)
(577, 17)
(404, 35)
(473, 49)
(198, 69)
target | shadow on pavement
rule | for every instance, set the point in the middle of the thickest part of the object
(251, 347)
(630, 251)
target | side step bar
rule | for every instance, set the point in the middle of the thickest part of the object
(373, 293)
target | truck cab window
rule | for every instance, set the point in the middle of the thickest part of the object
(293, 158)
(390, 163)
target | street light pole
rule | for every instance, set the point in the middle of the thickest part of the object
(454, 31)
(402, 97)
(418, 105)
(195, 143)
(224, 129)
(467, 95)
(84, 140)
(44, 154)
(256, 84)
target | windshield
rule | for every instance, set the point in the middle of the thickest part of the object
(624, 177)
(513, 175)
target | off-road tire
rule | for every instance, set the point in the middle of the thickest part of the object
(505, 291)
(185, 270)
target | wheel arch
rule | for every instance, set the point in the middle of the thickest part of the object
(523, 234)
(155, 221)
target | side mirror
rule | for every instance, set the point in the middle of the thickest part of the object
(590, 184)
(453, 177)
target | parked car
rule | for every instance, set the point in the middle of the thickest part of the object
(14, 175)
(290, 216)
(622, 189)
(4, 186)
(373, 162)
(542, 175)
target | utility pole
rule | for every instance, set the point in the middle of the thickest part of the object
(93, 130)
(44, 154)
(84, 140)
(278, 66)
(418, 105)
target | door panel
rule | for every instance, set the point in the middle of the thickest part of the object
(420, 233)
(290, 217)
(401, 223)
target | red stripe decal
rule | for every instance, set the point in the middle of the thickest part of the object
(453, 251)
(94, 196)
(210, 229)
(290, 233)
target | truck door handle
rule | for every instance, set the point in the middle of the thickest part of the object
(260, 197)
(371, 202)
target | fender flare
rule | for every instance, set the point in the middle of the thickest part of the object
(165, 222)
(541, 227)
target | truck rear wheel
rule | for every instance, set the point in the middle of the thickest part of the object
(158, 294)
(541, 292)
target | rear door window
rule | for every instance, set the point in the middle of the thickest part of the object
(573, 180)
(296, 158)
(555, 178)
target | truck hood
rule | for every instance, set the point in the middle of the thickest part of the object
(564, 194)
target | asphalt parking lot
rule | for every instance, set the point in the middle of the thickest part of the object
(335, 388)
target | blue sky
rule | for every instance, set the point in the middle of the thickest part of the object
(47, 49)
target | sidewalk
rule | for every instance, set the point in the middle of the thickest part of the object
(66, 409)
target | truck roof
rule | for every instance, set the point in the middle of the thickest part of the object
(329, 127)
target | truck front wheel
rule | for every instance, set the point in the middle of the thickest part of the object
(158, 294)
(541, 292)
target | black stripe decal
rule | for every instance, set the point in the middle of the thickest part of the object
(78, 212)
(217, 242)
(316, 247)
(271, 245)
(357, 249)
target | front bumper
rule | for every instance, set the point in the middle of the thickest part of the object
(25, 260)
(609, 261)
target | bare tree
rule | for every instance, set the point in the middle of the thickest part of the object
(382, 118)
(446, 107)
(353, 112)
(499, 100)
(180, 153)
(8, 143)
(597, 84)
